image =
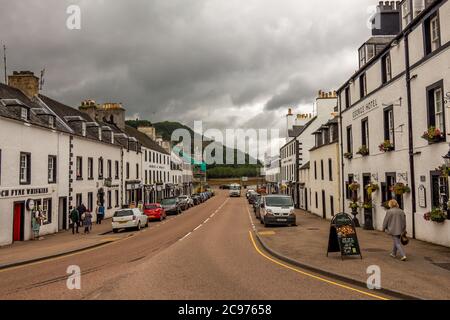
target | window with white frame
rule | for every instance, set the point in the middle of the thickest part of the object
(25, 168)
(24, 114)
(438, 108)
(51, 169)
(435, 34)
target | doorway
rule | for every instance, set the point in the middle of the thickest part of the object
(19, 221)
(62, 214)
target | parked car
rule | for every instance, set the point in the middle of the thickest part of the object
(257, 208)
(186, 202)
(154, 211)
(249, 192)
(129, 219)
(277, 210)
(256, 202)
(197, 199)
(171, 205)
(253, 197)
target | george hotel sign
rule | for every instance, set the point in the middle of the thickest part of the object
(22, 192)
(366, 108)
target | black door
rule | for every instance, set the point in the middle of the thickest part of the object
(324, 205)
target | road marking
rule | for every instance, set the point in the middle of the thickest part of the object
(206, 220)
(311, 275)
(266, 233)
(185, 236)
(198, 227)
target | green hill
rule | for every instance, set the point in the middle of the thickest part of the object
(166, 128)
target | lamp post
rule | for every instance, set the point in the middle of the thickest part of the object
(444, 187)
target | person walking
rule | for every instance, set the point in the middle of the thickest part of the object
(87, 221)
(100, 213)
(395, 224)
(81, 210)
(75, 218)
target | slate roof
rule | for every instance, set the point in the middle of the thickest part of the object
(145, 140)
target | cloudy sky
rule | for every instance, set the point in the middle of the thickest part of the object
(230, 63)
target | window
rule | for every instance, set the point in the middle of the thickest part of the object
(90, 201)
(146, 177)
(317, 200)
(386, 71)
(109, 168)
(79, 199)
(362, 56)
(332, 205)
(137, 171)
(109, 199)
(406, 13)
(145, 152)
(348, 101)
(100, 168)
(128, 170)
(90, 168)
(436, 106)
(349, 140)
(47, 210)
(79, 168)
(365, 132)
(25, 168)
(362, 86)
(389, 125)
(330, 169)
(83, 129)
(51, 169)
(51, 122)
(24, 114)
(117, 170)
(432, 35)
(322, 173)
(370, 51)
(439, 186)
(117, 198)
(315, 170)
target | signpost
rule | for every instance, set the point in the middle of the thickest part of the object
(343, 236)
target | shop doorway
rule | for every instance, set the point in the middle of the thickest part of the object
(19, 221)
(62, 214)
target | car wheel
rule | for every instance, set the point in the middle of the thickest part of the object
(146, 224)
(161, 217)
(115, 230)
(138, 228)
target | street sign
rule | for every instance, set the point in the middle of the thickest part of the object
(343, 236)
(244, 179)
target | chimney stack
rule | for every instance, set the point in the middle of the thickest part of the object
(26, 82)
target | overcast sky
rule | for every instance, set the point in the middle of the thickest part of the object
(230, 63)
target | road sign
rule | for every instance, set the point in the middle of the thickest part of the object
(343, 236)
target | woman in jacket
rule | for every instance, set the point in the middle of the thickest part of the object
(395, 225)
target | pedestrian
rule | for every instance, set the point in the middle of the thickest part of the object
(100, 213)
(35, 224)
(81, 210)
(395, 224)
(87, 221)
(75, 218)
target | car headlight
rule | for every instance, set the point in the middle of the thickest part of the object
(292, 212)
(268, 211)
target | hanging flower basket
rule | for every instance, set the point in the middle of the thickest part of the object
(386, 146)
(364, 151)
(348, 155)
(433, 135)
(436, 215)
(371, 188)
(354, 205)
(354, 186)
(445, 171)
(368, 205)
(400, 189)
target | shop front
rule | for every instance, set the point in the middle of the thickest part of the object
(17, 206)
(133, 194)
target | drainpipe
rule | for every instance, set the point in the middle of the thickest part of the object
(410, 134)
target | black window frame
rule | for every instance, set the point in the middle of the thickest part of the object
(385, 78)
(322, 170)
(54, 177)
(365, 134)
(362, 85)
(101, 169)
(431, 112)
(315, 170)
(386, 125)
(109, 168)
(350, 139)
(116, 195)
(348, 99)
(91, 170)
(116, 170)
(90, 201)
(28, 169)
(330, 169)
(426, 27)
(127, 173)
(79, 165)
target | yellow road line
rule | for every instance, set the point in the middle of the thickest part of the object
(311, 275)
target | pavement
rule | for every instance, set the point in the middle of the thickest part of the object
(425, 275)
(208, 252)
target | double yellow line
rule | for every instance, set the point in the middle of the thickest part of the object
(284, 265)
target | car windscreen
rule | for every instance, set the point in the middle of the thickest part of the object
(123, 213)
(169, 201)
(279, 202)
(151, 207)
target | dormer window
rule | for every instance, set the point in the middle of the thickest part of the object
(51, 122)
(83, 129)
(100, 134)
(24, 114)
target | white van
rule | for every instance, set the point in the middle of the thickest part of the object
(277, 210)
(235, 190)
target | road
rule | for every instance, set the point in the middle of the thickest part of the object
(208, 252)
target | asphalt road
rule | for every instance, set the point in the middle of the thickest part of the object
(208, 252)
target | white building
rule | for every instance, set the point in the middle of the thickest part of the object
(176, 173)
(395, 96)
(325, 171)
(272, 174)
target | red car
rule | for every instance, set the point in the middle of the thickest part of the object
(154, 211)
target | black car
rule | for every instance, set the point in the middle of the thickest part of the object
(197, 199)
(252, 198)
(172, 205)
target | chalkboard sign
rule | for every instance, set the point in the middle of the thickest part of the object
(343, 236)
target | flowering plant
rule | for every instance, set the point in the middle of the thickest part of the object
(364, 151)
(371, 188)
(445, 171)
(348, 155)
(385, 205)
(354, 205)
(386, 146)
(436, 215)
(367, 205)
(400, 189)
(433, 134)
(354, 186)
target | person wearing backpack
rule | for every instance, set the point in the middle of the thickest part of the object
(75, 218)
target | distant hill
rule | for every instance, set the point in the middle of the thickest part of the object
(166, 128)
